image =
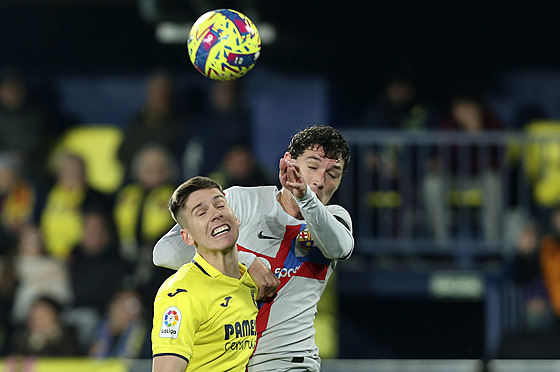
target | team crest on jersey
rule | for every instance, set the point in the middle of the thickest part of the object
(305, 240)
(170, 323)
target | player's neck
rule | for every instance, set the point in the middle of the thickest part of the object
(289, 204)
(225, 262)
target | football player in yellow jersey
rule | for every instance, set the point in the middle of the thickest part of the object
(204, 314)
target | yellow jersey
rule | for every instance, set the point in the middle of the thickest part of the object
(206, 318)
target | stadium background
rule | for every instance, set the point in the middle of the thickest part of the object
(340, 56)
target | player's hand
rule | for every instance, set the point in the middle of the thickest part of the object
(264, 279)
(291, 177)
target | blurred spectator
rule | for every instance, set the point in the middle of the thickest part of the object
(123, 332)
(391, 207)
(550, 261)
(141, 214)
(17, 200)
(95, 265)
(536, 270)
(157, 122)
(45, 333)
(23, 125)
(399, 108)
(240, 168)
(61, 218)
(224, 121)
(96, 271)
(526, 273)
(462, 189)
(36, 274)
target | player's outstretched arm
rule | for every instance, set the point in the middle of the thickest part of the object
(172, 252)
(331, 228)
(264, 279)
(169, 363)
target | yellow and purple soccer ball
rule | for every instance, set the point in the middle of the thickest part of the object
(224, 44)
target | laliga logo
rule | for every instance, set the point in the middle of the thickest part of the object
(171, 318)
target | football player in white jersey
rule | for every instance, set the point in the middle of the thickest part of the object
(297, 236)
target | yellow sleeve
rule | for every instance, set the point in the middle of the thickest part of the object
(177, 317)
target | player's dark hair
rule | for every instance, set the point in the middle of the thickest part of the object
(182, 193)
(332, 142)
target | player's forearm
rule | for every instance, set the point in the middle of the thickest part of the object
(171, 251)
(333, 235)
(169, 363)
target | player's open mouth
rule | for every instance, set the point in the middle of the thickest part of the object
(220, 230)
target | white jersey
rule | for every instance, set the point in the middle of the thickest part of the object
(302, 253)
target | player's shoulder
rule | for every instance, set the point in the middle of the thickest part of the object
(188, 275)
(254, 191)
(337, 209)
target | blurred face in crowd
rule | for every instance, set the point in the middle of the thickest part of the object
(96, 234)
(223, 95)
(13, 94)
(30, 242)
(125, 308)
(468, 114)
(71, 172)
(239, 162)
(153, 168)
(400, 92)
(159, 92)
(8, 177)
(43, 317)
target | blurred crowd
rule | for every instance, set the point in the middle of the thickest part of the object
(76, 271)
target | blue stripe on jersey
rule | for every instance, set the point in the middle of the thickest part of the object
(200, 267)
(164, 354)
(315, 255)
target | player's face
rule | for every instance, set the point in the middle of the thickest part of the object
(210, 222)
(322, 174)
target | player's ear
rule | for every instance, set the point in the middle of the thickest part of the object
(287, 156)
(187, 238)
(238, 222)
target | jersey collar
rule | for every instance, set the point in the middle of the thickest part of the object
(210, 270)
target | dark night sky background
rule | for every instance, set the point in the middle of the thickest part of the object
(356, 44)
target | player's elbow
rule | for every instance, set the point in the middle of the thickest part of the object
(342, 251)
(163, 260)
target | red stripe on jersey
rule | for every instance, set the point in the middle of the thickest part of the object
(313, 270)
(275, 262)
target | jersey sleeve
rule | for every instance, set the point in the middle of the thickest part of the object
(331, 227)
(171, 251)
(176, 320)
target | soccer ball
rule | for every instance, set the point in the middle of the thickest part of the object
(223, 44)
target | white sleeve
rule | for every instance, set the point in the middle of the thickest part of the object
(246, 258)
(330, 227)
(172, 252)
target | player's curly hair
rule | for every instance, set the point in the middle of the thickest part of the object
(331, 140)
